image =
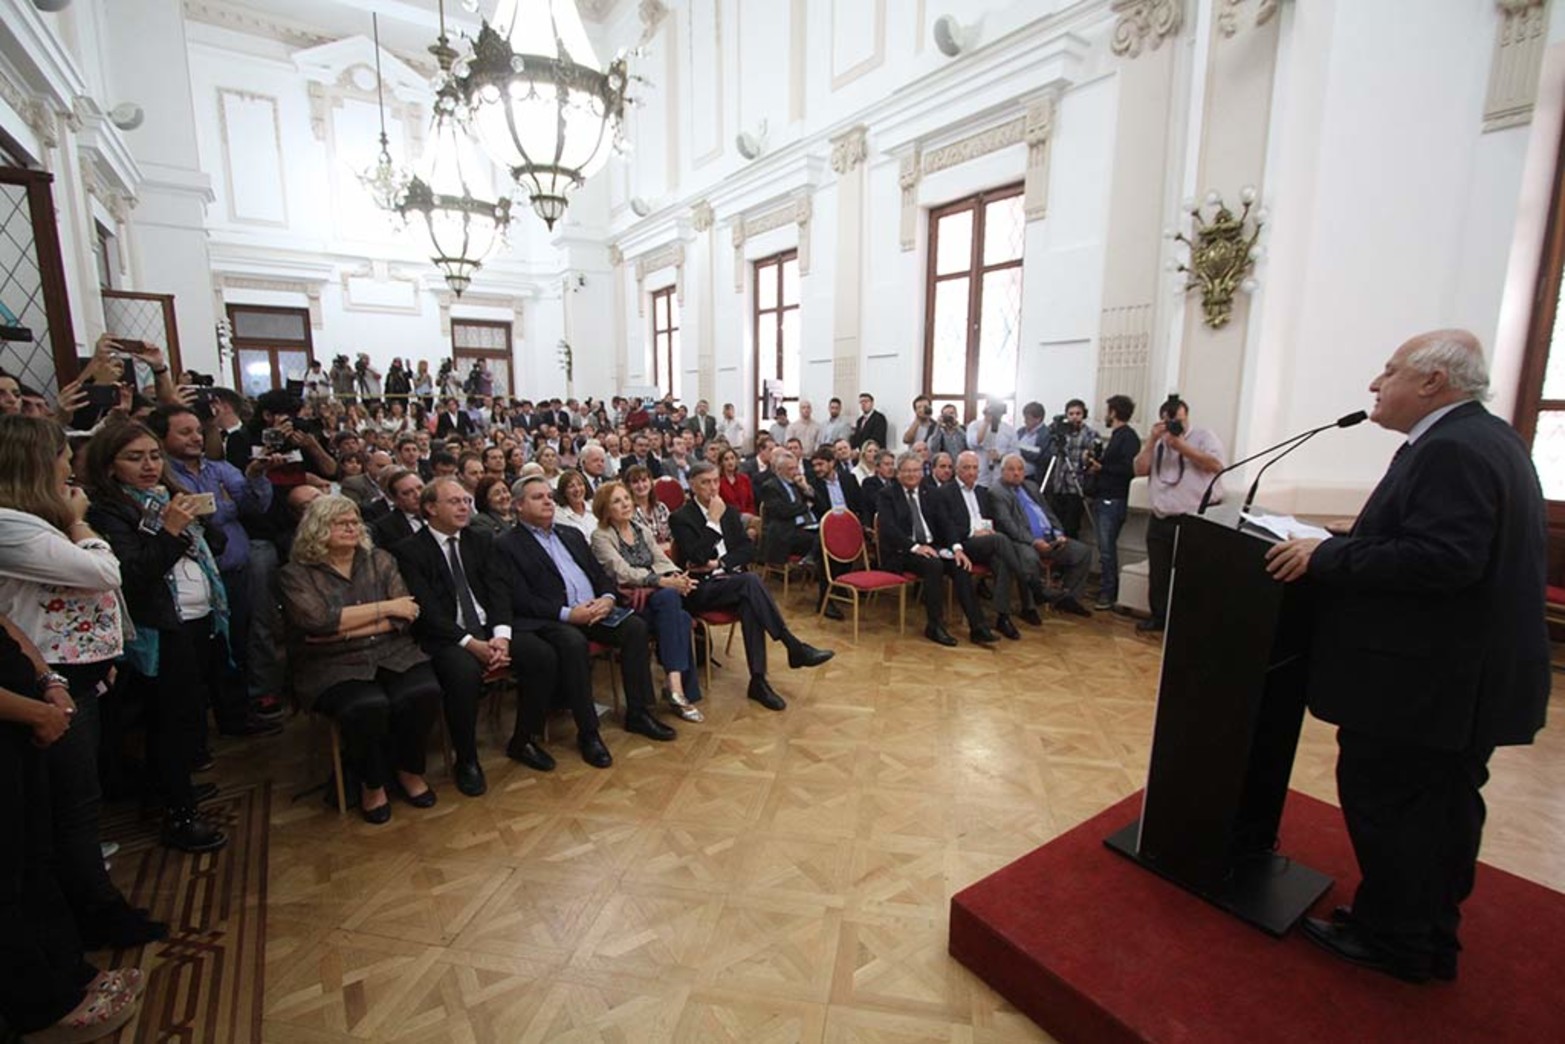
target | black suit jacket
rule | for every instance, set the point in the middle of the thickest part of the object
(390, 529)
(706, 426)
(896, 520)
(852, 496)
(869, 494)
(783, 517)
(651, 464)
(955, 523)
(537, 588)
(463, 426)
(871, 425)
(1429, 617)
(698, 544)
(422, 559)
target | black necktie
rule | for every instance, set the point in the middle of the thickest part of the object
(464, 594)
(920, 531)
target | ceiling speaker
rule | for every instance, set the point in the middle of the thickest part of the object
(640, 207)
(950, 36)
(751, 146)
(51, 5)
(127, 116)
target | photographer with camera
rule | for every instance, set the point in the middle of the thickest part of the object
(366, 380)
(1180, 461)
(948, 436)
(342, 378)
(923, 426)
(1072, 442)
(991, 438)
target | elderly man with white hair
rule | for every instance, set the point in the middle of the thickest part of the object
(1428, 651)
(594, 464)
(787, 501)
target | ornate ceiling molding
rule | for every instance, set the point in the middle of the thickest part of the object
(250, 22)
(1141, 22)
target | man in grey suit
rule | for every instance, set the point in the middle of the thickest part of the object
(1021, 514)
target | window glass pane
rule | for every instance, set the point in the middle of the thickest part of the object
(766, 347)
(255, 371)
(766, 286)
(999, 333)
(270, 326)
(673, 311)
(1548, 453)
(292, 365)
(790, 276)
(790, 352)
(1005, 228)
(948, 370)
(474, 335)
(674, 364)
(954, 236)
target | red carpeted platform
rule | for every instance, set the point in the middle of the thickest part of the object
(1094, 948)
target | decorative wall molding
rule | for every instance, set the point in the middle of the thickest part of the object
(1125, 351)
(907, 178)
(651, 13)
(1520, 40)
(309, 288)
(38, 116)
(445, 299)
(673, 256)
(1012, 132)
(876, 58)
(797, 211)
(1141, 22)
(381, 272)
(246, 21)
(849, 149)
(1038, 133)
(701, 216)
(616, 255)
(1228, 16)
(234, 215)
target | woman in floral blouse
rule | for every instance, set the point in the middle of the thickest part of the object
(60, 586)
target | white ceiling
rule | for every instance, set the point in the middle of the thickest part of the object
(407, 27)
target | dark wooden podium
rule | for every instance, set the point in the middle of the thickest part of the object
(1229, 708)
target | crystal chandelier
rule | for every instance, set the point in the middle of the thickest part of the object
(537, 100)
(384, 181)
(464, 227)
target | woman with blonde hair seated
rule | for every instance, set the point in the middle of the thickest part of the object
(354, 660)
(627, 550)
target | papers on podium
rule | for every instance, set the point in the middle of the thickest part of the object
(1285, 527)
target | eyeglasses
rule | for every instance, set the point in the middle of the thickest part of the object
(347, 523)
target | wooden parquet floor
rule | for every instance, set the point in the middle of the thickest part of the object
(768, 877)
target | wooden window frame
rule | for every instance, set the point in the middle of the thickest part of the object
(974, 273)
(270, 345)
(39, 186)
(469, 354)
(758, 314)
(663, 339)
(1540, 331)
(175, 360)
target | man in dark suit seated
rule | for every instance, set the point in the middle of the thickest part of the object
(1429, 650)
(464, 623)
(885, 474)
(454, 421)
(365, 489)
(833, 489)
(792, 526)
(912, 540)
(640, 453)
(562, 594)
(967, 513)
(711, 538)
(403, 488)
(1022, 515)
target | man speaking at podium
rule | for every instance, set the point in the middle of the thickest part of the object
(1429, 651)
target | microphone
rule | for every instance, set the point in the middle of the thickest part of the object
(1287, 446)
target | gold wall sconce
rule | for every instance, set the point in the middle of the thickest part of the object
(1223, 253)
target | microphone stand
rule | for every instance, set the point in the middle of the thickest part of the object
(1289, 444)
(1249, 498)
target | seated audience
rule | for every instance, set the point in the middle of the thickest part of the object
(352, 657)
(650, 511)
(968, 512)
(628, 551)
(1022, 515)
(792, 525)
(492, 512)
(403, 489)
(833, 490)
(573, 504)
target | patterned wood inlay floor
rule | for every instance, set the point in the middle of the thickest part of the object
(767, 878)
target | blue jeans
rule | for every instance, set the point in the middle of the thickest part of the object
(670, 626)
(1108, 520)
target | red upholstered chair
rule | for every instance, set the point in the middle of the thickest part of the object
(709, 619)
(670, 492)
(842, 543)
(782, 569)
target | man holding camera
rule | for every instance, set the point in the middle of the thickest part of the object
(923, 425)
(1072, 441)
(991, 438)
(948, 436)
(1180, 461)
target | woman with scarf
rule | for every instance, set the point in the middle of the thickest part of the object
(178, 606)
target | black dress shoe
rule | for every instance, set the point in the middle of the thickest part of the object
(801, 654)
(424, 800)
(643, 722)
(531, 755)
(1442, 963)
(185, 830)
(376, 816)
(939, 635)
(1003, 624)
(1070, 605)
(119, 926)
(983, 636)
(1030, 616)
(762, 692)
(1151, 625)
(470, 778)
(594, 753)
(1347, 941)
(833, 612)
